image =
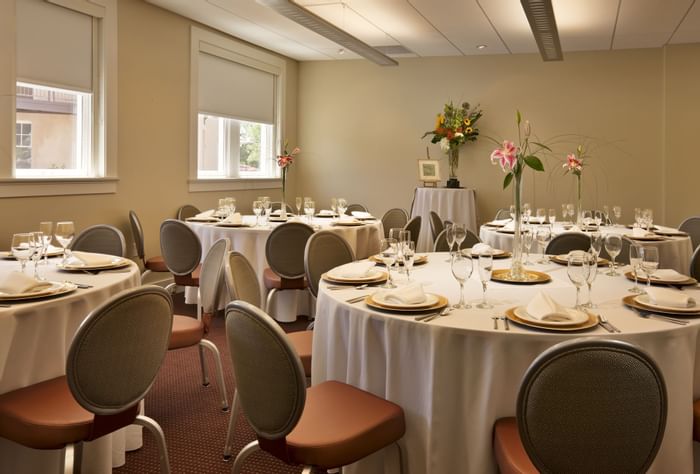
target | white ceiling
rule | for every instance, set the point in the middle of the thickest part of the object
(450, 27)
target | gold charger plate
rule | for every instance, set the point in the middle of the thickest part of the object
(418, 260)
(563, 261)
(348, 223)
(52, 252)
(533, 277)
(441, 303)
(648, 238)
(117, 262)
(57, 288)
(671, 233)
(231, 224)
(496, 256)
(379, 278)
(633, 303)
(202, 220)
(592, 322)
(655, 281)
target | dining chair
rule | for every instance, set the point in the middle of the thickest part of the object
(585, 405)
(394, 218)
(100, 238)
(186, 211)
(182, 252)
(112, 362)
(153, 264)
(277, 205)
(189, 332)
(568, 241)
(328, 425)
(691, 226)
(413, 226)
(502, 214)
(440, 244)
(355, 207)
(284, 251)
(470, 240)
(695, 264)
(436, 225)
(324, 250)
(242, 284)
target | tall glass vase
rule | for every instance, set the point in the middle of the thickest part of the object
(579, 208)
(453, 163)
(283, 207)
(516, 267)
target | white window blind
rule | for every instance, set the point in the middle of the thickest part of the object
(233, 90)
(54, 46)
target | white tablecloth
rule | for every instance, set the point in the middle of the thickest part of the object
(250, 241)
(455, 376)
(34, 342)
(456, 205)
(674, 252)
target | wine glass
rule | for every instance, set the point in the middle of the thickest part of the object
(596, 244)
(541, 215)
(231, 205)
(221, 209)
(570, 211)
(309, 210)
(598, 219)
(592, 272)
(299, 202)
(342, 206)
(613, 245)
(578, 270)
(266, 208)
(543, 235)
(64, 233)
(257, 210)
(46, 227)
(334, 206)
(22, 248)
(395, 234)
(587, 219)
(527, 236)
(387, 254)
(462, 268)
(552, 216)
(648, 218)
(485, 270)
(617, 212)
(650, 262)
(38, 243)
(408, 250)
(564, 211)
(636, 254)
(526, 212)
(606, 215)
(450, 237)
(637, 217)
(460, 233)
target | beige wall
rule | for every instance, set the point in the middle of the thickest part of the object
(154, 48)
(360, 126)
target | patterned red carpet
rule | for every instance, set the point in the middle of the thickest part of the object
(190, 414)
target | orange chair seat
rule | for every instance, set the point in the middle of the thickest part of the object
(191, 279)
(186, 332)
(156, 264)
(273, 280)
(302, 343)
(361, 422)
(511, 456)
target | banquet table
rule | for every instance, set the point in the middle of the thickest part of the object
(674, 252)
(34, 341)
(250, 241)
(456, 205)
(456, 375)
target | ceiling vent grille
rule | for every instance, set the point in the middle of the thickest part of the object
(540, 15)
(394, 50)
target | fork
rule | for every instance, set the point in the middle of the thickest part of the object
(668, 319)
(604, 320)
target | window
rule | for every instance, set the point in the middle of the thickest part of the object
(236, 102)
(23, 145)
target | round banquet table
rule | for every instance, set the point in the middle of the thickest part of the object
(454, 204)
(674, 252)
(250, 241)
(34, 341)
(455, 376)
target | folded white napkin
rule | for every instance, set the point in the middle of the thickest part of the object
(205, 214)
(669, 297)
(409, 294)
(90, 259)
(509, 226)
(234, 218)
(638, 232)
(543, 308)
(574, 228)
(500, 221)
(326, 212)
(353, 270)
(17, 282)
(480, 249)
(361, 214)
(668, 274)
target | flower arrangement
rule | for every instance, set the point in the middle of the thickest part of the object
(454, 127)
(284, 161)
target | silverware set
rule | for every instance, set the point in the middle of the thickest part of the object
(426, 318)
(506, 322)
(607, 325)
(347, 287)
(668, 319)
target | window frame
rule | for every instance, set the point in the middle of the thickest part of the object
(203, 41)
(103, 158)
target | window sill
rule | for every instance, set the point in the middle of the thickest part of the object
(233, 184)
(24, 187)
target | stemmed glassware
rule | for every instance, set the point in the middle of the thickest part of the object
(334, 207)
(543, 235)
(462, 268)
(257, 210)
(596, 244)
(541, 215)
(22, 248)
(578, 270)
(485, 270)
(606, 215)
(342, 207)
(450, 238)
(650, 262)
(309, 210)
(395, 234)
(592, 272)
(527, 212)
(587, 218)
(266, 208)
(648, 219)
(408, 251)
(64, 233)
(527, 237)
(636, 254)
(298, 201)
(598, 219)
(39, 248)
(46, 228)
(570, 211)
(460, 233)
(638, 217)
(617, 212)
(613, 245)
(387, 253)
(552, 216)
(231, 206)
(564, 211)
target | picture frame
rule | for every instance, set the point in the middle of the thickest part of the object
(429, 171)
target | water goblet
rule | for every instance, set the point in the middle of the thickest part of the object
(64, 233)
(541, 215)
(606, 215)
(613, 245)
(462, 268)
(527, 211)
(617, 212)
(636, 254)
(408, 251)
(231, 205)
(309, 210)
(266, 208)
(342, 206)
(46, 227)
(598, 219)
(450, 238)
(552, 216)
(38, 243)
(543, 235)
(578, 270)
(564, 211)
(460, 233)
(395, 234)
(485, 270)
(22, 248)
(257, 210)
(334, 206)
(221, 208)
(637, 217)
(650, 262)
(596, 243)
(592, 272)
(299, 202)
(587, 219)
(387, 254)
(648, 219)
(527, 237)
(570, 211)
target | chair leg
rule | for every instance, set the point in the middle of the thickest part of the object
(228, 445)
(157, 432)
(400, 455)
(219, 370)
(269, 300)
(170, 287)
(205, 376)
(306, 470)
(247, 450)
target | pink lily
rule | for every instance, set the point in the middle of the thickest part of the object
(507, 156)
(573, 163)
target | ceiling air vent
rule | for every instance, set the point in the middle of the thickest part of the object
(540, 15)
(395, 50)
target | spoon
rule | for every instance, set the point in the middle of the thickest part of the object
(444, 312)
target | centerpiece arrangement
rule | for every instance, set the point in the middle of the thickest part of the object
(513, 160)
(453, 128)
(284, 161)
(574, 165)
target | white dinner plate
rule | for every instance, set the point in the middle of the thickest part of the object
(348, 223)
(116, 262)
(373, 274)
(577, 318)
(56, 288)
(494, 253)
(381, 298)
(645, 301)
